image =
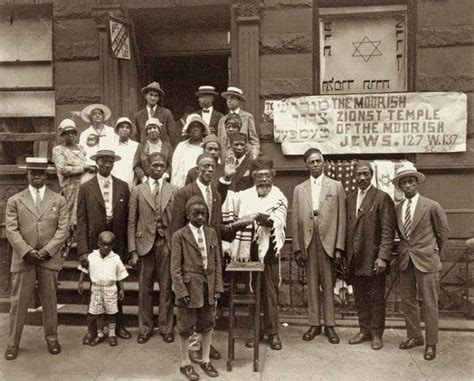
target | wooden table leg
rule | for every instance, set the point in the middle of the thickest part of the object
(256, 337)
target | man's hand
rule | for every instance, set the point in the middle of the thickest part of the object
(299, 259)
(217, 295)
(44, 254)
(185, 300)
(380, 266)
(337, 257)
(121, 294)
(80, 288)
(229, 171)
(133, 261)
(84, 261)
(33, 257)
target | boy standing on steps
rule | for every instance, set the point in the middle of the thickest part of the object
(106, 272)
(197, 281)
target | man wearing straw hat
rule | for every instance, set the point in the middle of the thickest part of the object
(36, 222)
(235, 98)
(423, 230)
(153, 93)
(103, 205)
(126, 149)
(206, 96)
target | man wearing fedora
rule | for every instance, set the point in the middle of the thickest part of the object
(36, 223)
(423, 230)
(126, 148)
(153, 93)
(235, 98)
(206, 96)
(103, 205)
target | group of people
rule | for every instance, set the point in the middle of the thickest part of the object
(177, 216)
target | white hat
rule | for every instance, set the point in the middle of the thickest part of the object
(86, 112)
(124, 119)
(406, 171)
(234, 91)
(66, 125)
(196, 118)
(40, 163)
(105, 153)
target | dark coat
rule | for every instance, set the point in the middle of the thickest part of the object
(214, 122)
(187, 270)
(371, 234)
(164, 115)
(91, 218)
(242, 179)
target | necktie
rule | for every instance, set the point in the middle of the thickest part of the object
(151, 111)
(236, 162)
(209, 200)
(106, 195)
(202, 247)
(359, 202)
(407, 223)
(38, 199)
(156, 193)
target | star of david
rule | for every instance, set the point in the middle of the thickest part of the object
(385, 180)
(366, 49)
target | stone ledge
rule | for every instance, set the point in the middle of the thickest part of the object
(445, 36)
(285, 87)
(282, 4)
(280, 43)
(83, 50)
(445, 83)
(73, 9)
(77, 94)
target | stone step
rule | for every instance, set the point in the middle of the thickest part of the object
(70, 271)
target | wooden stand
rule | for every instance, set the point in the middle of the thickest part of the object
(247, 299)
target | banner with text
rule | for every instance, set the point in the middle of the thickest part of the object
(377, 123)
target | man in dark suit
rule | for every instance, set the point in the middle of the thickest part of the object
(102, 204)
(243, 162)
(153, 93)
(149, 241)
(206, 96)
(370, 232)
(423, 230)
(36, 224)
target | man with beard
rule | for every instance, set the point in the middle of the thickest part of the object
(369, 246)
(319, 233)
(206, 96)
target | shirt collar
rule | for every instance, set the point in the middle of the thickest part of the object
(316, 180)
(414, 199)
(194, 229)
(209, 108)
(236, 111)
(360, 191)
(34, 190)
(151, 181)
(201, 184)
(102, 179)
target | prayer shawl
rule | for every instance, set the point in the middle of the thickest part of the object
(239, 204)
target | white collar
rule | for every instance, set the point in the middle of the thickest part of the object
(194, 229)
(360, 191)
(236, 111)
(414, 199)
(316, 181)
(151, 181)
(241, 159)
(103, 179)
(34, 191)
(208, 109)
(201, 184)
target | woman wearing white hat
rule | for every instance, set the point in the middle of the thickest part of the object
(98, 134)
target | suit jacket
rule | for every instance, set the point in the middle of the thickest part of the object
(28, 228)
(371, 233)
(140, 160)
(214, 122)
(248, 127)
(142, 216)
(165, 117)
(187, 270)
(332, 216)
(91, 217)
(429, 233)
(242, 179)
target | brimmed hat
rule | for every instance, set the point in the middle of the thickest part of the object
(39, 163)
(234, 91)
(124, 119)
(195, 118)
(154, 122)
(406, 171)
(155, 86)
(66, 125)
(262, 162)
(86, 112)
(105, 153)
(206, 90)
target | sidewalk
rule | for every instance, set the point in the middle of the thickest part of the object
(316, 360)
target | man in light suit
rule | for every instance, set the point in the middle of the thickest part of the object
(423, 230)
(370, 234)
(206, 96)
(153, 93)
(319, 230)
(149, 242)
(36, 221)
(102, 204)
(235, 98)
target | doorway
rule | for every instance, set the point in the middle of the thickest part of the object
(180, 77)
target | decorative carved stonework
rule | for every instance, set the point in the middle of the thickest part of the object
(101, 13)
(247, 10)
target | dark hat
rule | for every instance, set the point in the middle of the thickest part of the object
(39, 163)
(206, 90)
(195, 200)
(234, 91)
(203, 156)
(211, 138)
(238, 137)
(262, 162)
(155, 86)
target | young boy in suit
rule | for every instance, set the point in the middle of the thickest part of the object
(197, 281)
(106, 272)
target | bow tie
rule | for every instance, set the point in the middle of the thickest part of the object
(206, 111)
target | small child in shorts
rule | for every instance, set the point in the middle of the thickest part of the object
(106, 272)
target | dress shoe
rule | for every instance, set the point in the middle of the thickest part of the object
(112, 341)
(376, 343)
(168, 337)
(430, 352)
(88, 338)
(195, 356)
(360, 338)
(214, 354)
(331, 335)
(54, 347)
(312, 332)
(123, 333)
(12, 352)
(275, 342)
(96, 341)
(142, 338)
(189, 372)
(209, 369)
(412, 343)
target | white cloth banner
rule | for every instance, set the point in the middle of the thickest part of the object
(376, 123)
